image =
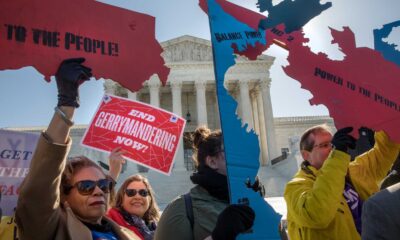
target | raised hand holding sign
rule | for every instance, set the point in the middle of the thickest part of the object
(69, 76)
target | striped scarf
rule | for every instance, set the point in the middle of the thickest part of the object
(147, 230)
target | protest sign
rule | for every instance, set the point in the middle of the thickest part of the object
(16, 150)
(117, 43)
(241, 147)
(365, 96)
(150, 135)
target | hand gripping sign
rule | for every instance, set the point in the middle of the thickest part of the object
(150, 135)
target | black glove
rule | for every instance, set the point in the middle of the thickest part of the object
(69, 76)
(368, 133)
(342, 140)
(235, 219)
(257, 186)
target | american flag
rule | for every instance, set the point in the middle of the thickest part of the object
(173, 119)
(106, 99)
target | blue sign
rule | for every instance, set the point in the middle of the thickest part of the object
(241, 147)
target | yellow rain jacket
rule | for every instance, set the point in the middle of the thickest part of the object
(317, 209)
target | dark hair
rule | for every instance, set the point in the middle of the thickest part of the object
(74, 165)
(153, 213)
(307, 140)
(205, 143)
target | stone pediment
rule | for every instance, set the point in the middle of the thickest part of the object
(192, 49)
(187, 49)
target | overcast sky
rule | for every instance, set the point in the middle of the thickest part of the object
(27, 100)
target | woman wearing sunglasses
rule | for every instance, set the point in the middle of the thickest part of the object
(135, 207)
(62, 199)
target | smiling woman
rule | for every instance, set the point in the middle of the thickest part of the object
(135, 207)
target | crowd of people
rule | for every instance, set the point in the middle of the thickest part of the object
(332, 196)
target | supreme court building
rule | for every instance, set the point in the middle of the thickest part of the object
(190, 92)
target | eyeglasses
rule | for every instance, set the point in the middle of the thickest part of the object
(86, 187)
(323, 145)
(133, 192)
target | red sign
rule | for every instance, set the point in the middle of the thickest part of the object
(117, 43)
(360, 90)
(150, 135)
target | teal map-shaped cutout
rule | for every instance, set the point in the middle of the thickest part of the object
(293, 14)
(241, 147)
(388, 51)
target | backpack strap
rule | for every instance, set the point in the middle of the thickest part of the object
(189, 208)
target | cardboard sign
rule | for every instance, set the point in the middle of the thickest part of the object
(8, 228)
(293, 14)
(116, 43)
(390, 51)
(150, 135)
(241, 147)
(365, 96)
(16, 150)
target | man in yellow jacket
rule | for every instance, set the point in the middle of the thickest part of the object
(325, 197)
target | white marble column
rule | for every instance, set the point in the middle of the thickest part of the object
(262, 131)
(269, 118)
(201, 102)
(256, 123)
(176, 89)
(236, 95)
(253, 99)
(246, 103)
(132, 95)
(154, 88)
(217, 120)
(109, 87)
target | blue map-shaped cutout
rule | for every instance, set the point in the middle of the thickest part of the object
(388, 51)
(294, 14)
(264, 5)
(241, 147)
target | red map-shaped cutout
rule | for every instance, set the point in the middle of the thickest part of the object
(118, 44)
(360, 90)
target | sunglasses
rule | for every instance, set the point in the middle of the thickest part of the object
(86, 187)
(133, 192)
